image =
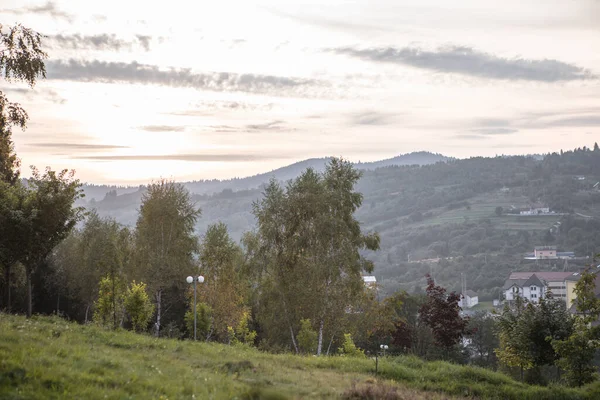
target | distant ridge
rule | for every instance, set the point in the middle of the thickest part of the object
(318, 164)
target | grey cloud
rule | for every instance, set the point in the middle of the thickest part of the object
(269, 126)
(470, 137)
(467, 61)
(162, 128)
(144, 41)
(78, 146)
(494, 131)
(578, 121)
(186, 157)
(370, 118)
(49, 8)
(101, 71)
(97, 42)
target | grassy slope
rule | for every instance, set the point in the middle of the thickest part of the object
(49, 358)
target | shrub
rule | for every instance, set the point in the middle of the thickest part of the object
(138, 306)
(349, 348)
(307, 337)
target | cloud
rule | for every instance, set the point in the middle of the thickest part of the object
(268, 126)
(470, 137)
(494, 131)
(97, 42)
(186, 157)
(102, 71)
(577, 121)
(467, 61)
(370, 118)
(78, 146)
(162, 128)
(49, 8)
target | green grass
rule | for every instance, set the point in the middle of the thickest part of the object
(49, 358)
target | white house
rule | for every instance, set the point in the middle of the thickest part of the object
(469, 299)
(534, 285)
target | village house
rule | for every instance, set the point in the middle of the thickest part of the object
(469, 299)
(535, 285)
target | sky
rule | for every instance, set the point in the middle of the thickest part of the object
(186, 90)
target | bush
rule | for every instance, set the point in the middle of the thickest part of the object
(349, 348)
(203, 321)
(307, 337)
(138, 306)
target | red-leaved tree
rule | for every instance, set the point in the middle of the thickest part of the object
(441, 313)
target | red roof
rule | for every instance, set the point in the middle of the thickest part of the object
(546, 276)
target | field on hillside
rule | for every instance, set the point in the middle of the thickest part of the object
(49, 358)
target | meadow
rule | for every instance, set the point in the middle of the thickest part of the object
(50, 358)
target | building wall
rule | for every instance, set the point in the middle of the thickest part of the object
(570, 293)
(540, 254)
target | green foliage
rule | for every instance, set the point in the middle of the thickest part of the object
(225, 287)
(109, 306)
(349, 349)
(242, 332)
(165, 242)
(586, 302)
(204, 327)
(576, 355)
(138, 306)
(307, 337)
(309, 244)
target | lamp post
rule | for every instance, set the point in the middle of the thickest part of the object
(195, 280)
(383, 348)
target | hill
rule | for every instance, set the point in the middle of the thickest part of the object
(447, 218)
(50, 358)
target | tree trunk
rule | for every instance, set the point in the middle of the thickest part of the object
(294, 340)
(58, 304)
(320, 345)
(87, 309)
(521, 373)
(29, 292)
(330, 343)
(114, 301)
(7, 280)
(158, 311)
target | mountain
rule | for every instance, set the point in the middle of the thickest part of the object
(445, 218)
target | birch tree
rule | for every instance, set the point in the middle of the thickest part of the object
(165, 243)
(311, 244)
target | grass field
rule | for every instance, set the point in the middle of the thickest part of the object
(49, 358)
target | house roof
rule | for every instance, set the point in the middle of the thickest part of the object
(544, 276)
(513, 282)
(471, 293)
(533, 281)
(369, 279)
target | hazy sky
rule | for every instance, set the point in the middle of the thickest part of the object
(138, 90)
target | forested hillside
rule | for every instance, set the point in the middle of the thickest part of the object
(458, 215)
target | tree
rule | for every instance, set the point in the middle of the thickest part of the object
(576, 354)
(48, 217)
(109, 307)
(165, 243)
(596, 148)
(577, 351)
(484, 340)
(514, 329)
(586, 302)
(224, 286)
(441, 313)
(21, 59)
(138, 306)
(312, 245)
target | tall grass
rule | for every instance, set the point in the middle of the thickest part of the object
(49, 358)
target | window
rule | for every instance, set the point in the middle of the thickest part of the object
(534, 296)
(533, 288)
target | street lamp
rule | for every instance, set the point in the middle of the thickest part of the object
(383, 348)
(195, 279)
